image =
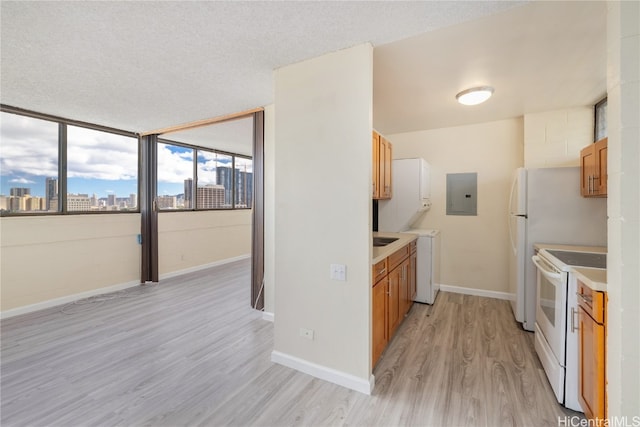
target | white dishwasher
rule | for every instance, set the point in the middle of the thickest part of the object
(428, 265)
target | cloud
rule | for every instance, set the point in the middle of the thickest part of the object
(22, 180)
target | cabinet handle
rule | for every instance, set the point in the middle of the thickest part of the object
(585, 298)
(381, 271)
(590, 180)
(573, 316)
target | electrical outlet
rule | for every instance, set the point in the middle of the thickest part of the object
(338, 272)
(306, 333)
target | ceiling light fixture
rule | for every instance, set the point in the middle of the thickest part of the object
(475, 95)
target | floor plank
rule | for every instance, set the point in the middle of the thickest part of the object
(190, 351)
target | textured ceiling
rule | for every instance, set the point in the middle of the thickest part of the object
(140, 66)
(541, 56)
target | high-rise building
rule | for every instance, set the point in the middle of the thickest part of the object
(111, 200)
(244, 189)
(51, 189)
(94, 200)
(188, 193)
(211, 197)
(166, 202)
(224, 177)
(78, 202)
(20, 191)
(133, 200)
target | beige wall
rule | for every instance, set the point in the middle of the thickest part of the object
(623, 261)
(49, 257)
(555, 138)
(474, 248)
(322, 181)
(188, 240)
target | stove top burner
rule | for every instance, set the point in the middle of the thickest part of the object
(581, 259)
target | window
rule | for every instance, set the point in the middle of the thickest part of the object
(28, 164)
(215, 181)
(222, 180)
(175, 177)
(601, 120)
(244, 182)
(102, 171)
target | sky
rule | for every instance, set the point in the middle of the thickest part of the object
(98, 162)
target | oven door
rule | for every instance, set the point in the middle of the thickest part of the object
(551, 306)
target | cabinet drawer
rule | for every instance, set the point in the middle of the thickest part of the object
(397, 257)
(413, 246)
(592, 302)
(379, 271)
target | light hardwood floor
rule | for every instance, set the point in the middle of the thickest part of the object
(190, 351)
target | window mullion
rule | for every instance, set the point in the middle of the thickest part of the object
(62, 167)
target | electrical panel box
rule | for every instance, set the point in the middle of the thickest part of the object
(462, 194)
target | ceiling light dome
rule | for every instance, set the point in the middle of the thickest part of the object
(475, 95)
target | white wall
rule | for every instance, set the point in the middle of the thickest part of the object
(623, 260)
(269, 209)
(188, 240)
(323, 212)
(555, 138)
(474, 248)
(49, 257)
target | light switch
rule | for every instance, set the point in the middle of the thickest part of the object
(338, 272)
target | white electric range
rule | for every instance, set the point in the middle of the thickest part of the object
(556, 336)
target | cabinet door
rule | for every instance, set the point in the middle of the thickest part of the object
(393, 302)
(413, 269)
(591, 367)
(375, 142)
(587, 170)
(385, 168)
(404, 287)
(379, 319)
(600, 154)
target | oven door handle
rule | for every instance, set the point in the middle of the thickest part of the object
(550, 274)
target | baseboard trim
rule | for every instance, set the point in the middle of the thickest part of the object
(268, 316)
(476, 292)
(108, 289)
(66, 299)
(203, 266)
(328, 374)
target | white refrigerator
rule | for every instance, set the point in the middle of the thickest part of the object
(545, 206)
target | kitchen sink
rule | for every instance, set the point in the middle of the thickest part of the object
(383, 241)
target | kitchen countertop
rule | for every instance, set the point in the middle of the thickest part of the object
(595, 278)
(381, 252)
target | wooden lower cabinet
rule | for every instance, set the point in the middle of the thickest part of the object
(379, 319)
(592, 353)
(393, 301)
(413, 270)
(392, 297)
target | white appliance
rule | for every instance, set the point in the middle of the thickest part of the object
(410, 195)
(428, 268)
(556, 333)
(410, 199)
(546, 207)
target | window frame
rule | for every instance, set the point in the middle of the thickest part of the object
(62, 162)
(196, 149)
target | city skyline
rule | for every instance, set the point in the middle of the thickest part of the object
(97, 162)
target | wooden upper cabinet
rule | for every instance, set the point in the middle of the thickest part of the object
(382, 155)
(375, 142)
(385, 168)
(593, 170)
